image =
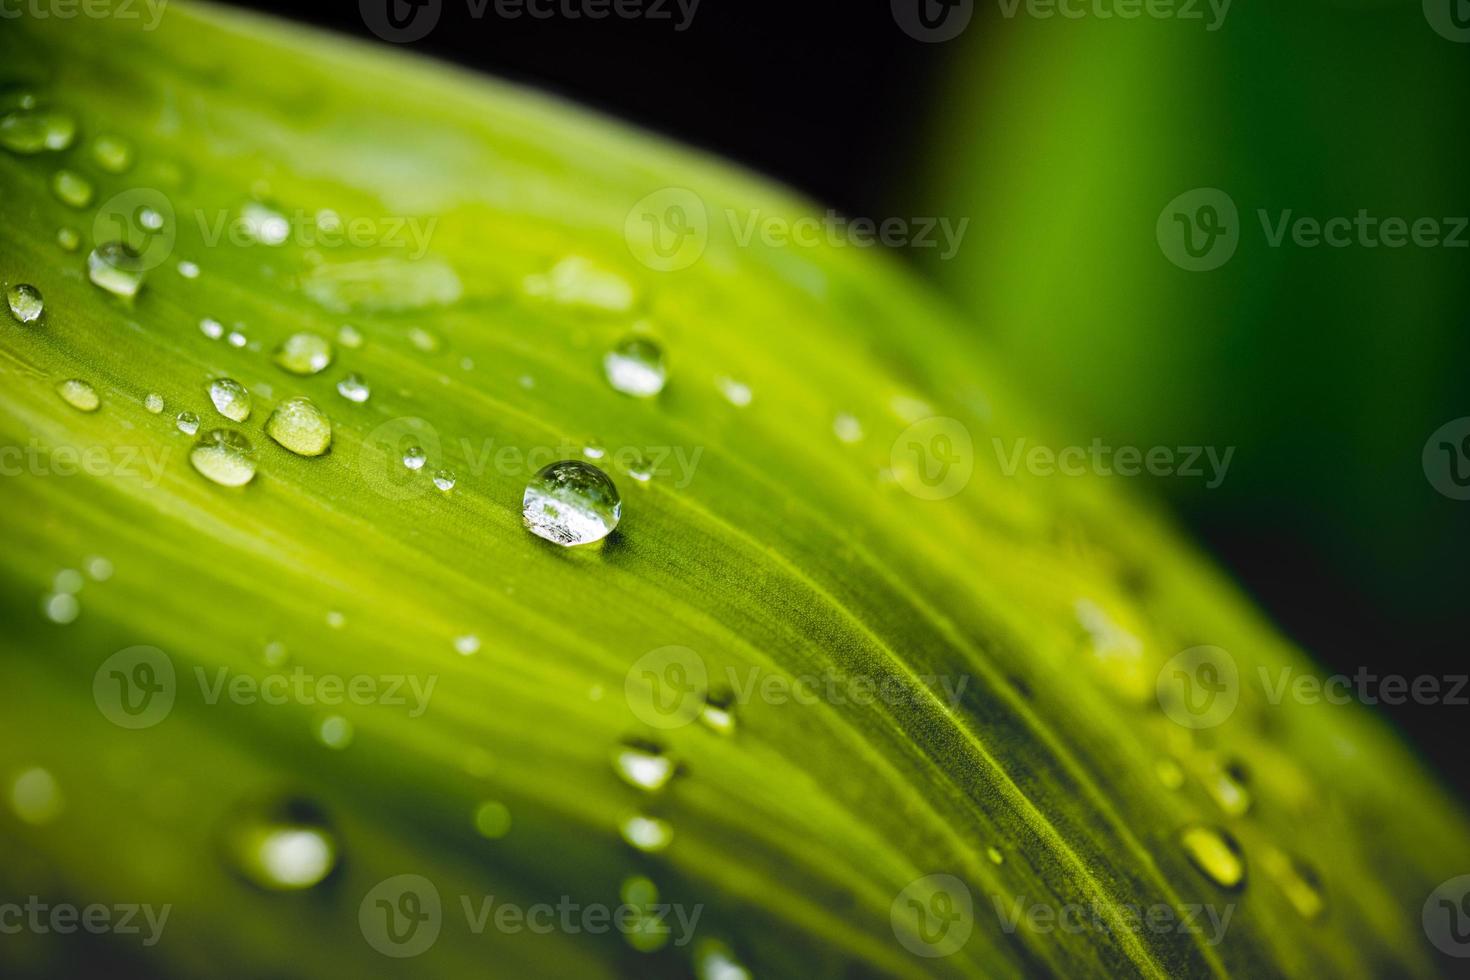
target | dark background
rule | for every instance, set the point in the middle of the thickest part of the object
(1341, 541)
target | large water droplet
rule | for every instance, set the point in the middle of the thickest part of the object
(1215, 853)
(643, 764)
(230, 399)
(31, 130)
(300, 426)
(648, 834)
(284, 847)
(35, 796)
(112, 153)
(224, 456)
(571, 503)
(71, 188)
(304, 353)
(79, 394)
(115, 267)
(635, 366)
(25, 301)
(354, 388)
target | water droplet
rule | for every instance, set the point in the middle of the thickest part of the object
(300, 426)
(230, 399)
(1170, 773)
(285, 847)
(225, 457)
(593, 451)
(1228, 787)
(236, 339)
(187, 269)
(1215, 854)
(847, 428)
(444, 480)
(735, 392)
(354, 388)
(492, 820)
(643, 764)
(1298, 882)
(99, 568)
(274, 653)
(72, 188)
(112, 153)
(571, 503)
(154, 402)
(638, 890)
(414, 458)
(61, 608)
(640, 469)
(115, 267)
(149, 219)
(264, 224)
(304, 353)
(334, 731)
(995, 856)
(648, 834)
(467, 645)
(79, 394)
(349, 336)
(576, 281)
(713, 960)
(25, 302)
(635, 366)
(335, 619)
(423, 340)
(188, 423)
(68, 239)
(718, 713)
(35, 796)
(30, 130)
(68, 580)
(211, 328)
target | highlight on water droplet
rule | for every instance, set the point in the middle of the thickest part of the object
(571, 503)
(1215, 853)
(354, 388)
(492, 820)
(334, 731)
(467, 645)
(281, 847)
(71, 188)
(112, 153)
(230, 399)
(79, 394)
(718, 712)
(300, 426)
(304, 353)
(649, 834)
(188, 423)
(736, 393)
(115, 267)
(643, 764)
(635, 366)
(224, 457)
(35, 796)
(30, 130)
(25, 302)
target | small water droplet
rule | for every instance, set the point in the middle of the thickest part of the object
(154, 402)
(112, 153)
(30, 130)
(304, 353)
(61, 608)
(236, 339)
(735, 392)
(593, 451)
(713, 960)
(99, 568)
(414, 458)
(643, 764)
(230, 399)
(225, 457)
(1228, 786)
(354, 388)
(71, 188)
(115, 267)
(264, 224)
(283, 847)
(718, 713)
(492, 819)
(847, 428)
(1298, 882)
(300, 426)
(467, 645)
(211, 328)
(79, 394)
(25, 302)
(571, 503)
(1170, 773)
(68, 580)
(335, 619)
(648, 834)
(187, 269)
(188, 423)
(444, 480)
(35, 796)
(1215, 853)
(274, 653)
(68, 239)
(635, 366)
(334, 731)
(640, 469)
(423, 340)
(995, 856)
(349, 336)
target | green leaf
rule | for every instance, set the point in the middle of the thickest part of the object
(830, 594)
